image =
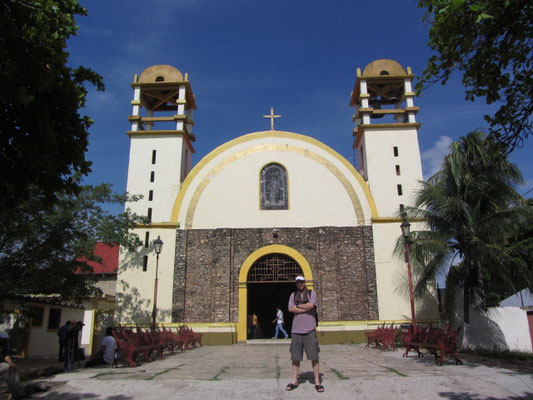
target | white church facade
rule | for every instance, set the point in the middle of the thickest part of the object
(239, 225)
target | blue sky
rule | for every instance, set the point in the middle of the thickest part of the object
(244, 57)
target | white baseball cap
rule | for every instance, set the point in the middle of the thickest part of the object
(299, 278)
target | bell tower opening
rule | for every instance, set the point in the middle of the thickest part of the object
(270, 283)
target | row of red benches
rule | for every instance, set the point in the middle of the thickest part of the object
(132, 343)
(383, 337)
(440, 342)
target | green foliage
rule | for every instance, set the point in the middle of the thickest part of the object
(39, 249)
(520, 247)
(491, 43)
(43, 138)
(471, 207)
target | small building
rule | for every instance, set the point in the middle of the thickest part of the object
(31, 322)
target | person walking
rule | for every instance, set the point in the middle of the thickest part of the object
(302, 304)
(279, 324)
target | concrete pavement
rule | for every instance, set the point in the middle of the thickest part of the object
(262, 372)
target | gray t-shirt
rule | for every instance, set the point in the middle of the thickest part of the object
(110, 347)
(304, 322)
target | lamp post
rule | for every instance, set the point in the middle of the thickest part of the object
(158, 246)
(406, 231)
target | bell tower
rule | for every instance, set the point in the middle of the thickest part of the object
(386, 134)
(161, 138)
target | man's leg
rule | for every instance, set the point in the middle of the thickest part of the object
(277, 332)
(283, 331)
(316, 371)
(295, 369)
(297, 352)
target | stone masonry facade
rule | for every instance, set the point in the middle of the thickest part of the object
(208, 262)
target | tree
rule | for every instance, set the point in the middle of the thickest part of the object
(470, 207)
(43, 138)
(520, 247)
(491, 43)
(40, 250)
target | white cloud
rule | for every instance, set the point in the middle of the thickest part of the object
(432, 158)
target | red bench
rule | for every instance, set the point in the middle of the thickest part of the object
(131, 344)
(438, 341)
(383, 337)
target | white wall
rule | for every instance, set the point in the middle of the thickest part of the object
(167, 170)
(501, 328)
(135, 287)
(391, 278)
(44, 341)
(225, 191)
(381, 171)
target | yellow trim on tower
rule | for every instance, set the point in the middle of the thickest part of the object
(173, 225)
(243, 278)
(269, 134)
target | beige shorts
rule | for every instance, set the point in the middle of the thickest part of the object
(309, 342)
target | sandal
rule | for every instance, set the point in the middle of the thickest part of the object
(319, 388)
(291, 386)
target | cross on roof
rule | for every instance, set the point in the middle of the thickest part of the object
(271, 116)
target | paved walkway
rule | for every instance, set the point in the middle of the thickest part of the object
(262, 372)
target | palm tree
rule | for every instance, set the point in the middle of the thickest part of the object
(470, 207)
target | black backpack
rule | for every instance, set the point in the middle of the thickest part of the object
(302, 298)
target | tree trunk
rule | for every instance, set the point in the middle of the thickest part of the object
(466, 304)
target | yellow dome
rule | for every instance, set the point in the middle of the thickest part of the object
(384, 67)
(160, 73)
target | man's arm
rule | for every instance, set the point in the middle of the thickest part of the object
(10, 362)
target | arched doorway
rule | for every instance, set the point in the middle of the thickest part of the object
(270, 283)
(243, 279)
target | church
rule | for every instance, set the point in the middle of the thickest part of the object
(257, 211)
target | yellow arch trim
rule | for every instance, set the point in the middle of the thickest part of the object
(266, 134)
(243, 277)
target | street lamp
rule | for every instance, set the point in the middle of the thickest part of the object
(158, 246)
(406, 232)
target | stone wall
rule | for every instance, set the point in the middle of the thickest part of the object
(208, 262)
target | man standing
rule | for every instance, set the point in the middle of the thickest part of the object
(72, 345)
(279, 324)
(62, 333)
(302, 304)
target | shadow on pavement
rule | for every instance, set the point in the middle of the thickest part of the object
(473, 396)
(81, 396)
(308, 377)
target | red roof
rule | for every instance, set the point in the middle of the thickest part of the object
(109, 256)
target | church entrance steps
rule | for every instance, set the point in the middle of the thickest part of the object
(268, 341)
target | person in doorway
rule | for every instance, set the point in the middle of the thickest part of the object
(255, 326)
(302, 304)
(73, 345)
(279, 324)
(62, 333)
(106, 354)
